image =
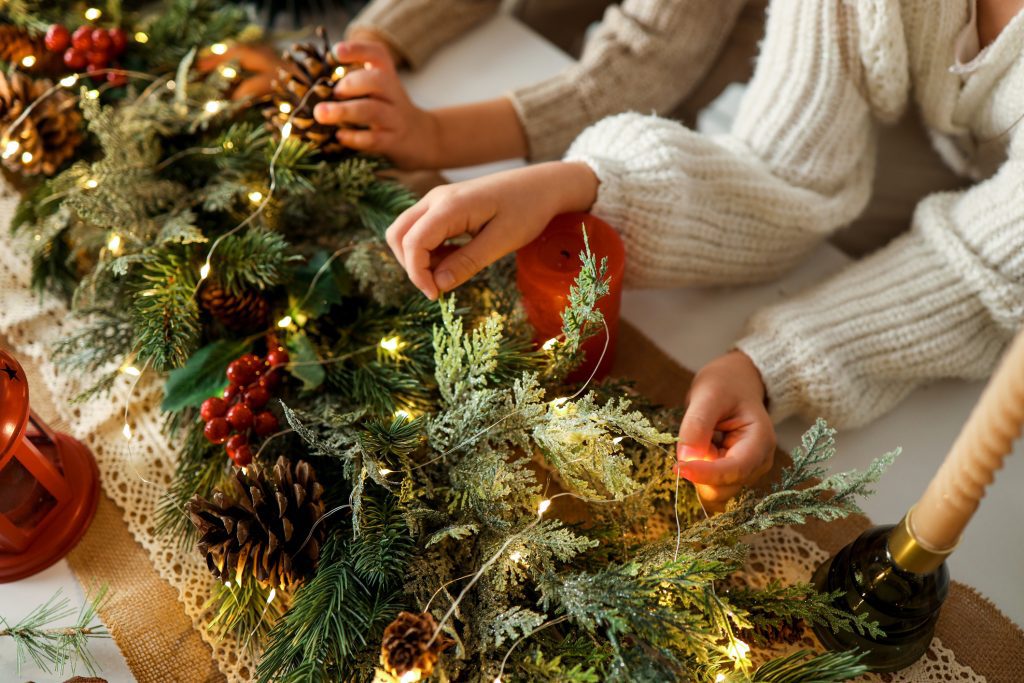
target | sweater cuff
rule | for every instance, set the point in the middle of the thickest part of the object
(773, 355)
(416, 29)
(552, 115)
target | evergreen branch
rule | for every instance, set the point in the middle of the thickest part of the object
(52, 647)
(830, 667)
(166, 315)
(581, 317)
(242, 611)
(198, 471)
(254, 259)
(383, 547)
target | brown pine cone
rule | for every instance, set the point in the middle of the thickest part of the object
(306, 68)
(406, 644)
(243, 312)
(16, 43)
(788, 632)
(263, 524)
(45, 138)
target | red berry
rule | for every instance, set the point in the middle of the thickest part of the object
(235, 442)
(81, 39)
(242, 456)
(265, 424)
(239, 372)
(231, 391)
(240, 416)
(213, 407)
(118, 40)
(101, 40)
(116, 79)
(57, 38)
(277, 357)
(257, 397)
(75, 59)
(270, 379)
(251, 360)
(216, 430)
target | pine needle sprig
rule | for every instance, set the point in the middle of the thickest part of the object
(53, 647)
(254, 259)
(807, 667)
(166, 314)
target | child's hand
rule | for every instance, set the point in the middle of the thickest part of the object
(727, 396)
(502, 212)
(373, 99)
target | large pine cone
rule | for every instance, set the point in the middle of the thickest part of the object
(406, 644)
(246, 311)
(260, 523)
(47, 136)
(306, 67)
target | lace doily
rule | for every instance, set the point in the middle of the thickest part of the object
(135, 474)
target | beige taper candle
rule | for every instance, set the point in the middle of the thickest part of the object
(951, 498)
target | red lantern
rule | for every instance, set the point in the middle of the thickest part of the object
(49, 484)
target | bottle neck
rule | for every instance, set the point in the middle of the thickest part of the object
(909, 553)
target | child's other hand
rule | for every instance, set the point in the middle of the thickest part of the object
(381, 117)
(727, 396)
(502, 212)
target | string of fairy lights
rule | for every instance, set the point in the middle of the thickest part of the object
(736, 649)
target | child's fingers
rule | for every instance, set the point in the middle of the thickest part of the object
(372, 53)
(428, 233)
(362, 140)
(741, 464)
(361, 112)
(706, 409)
(397, 230)
(484, 249)
(364, 83)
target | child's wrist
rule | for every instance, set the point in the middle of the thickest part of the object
(577, 186)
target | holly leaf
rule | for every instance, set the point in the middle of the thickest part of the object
(202, 376)
(317, 286)
(305, 365)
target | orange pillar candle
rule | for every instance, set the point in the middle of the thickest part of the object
(949, 502)
(547, 268)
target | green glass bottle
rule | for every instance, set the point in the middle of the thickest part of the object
(887, 575)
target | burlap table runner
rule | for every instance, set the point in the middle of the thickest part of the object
(159, 643)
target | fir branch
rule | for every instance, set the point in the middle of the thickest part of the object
(242, 611)
(807, 667)
(254, 259)
(581, 317)
(52, 647)
(383, 547)
(166, 315)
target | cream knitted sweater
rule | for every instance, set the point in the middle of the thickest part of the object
(646, 56)
(941, 301)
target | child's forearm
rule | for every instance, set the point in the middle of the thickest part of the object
(478, 133)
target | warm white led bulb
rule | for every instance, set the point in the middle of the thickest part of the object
(389, 344)
(286, 130)
(127, 431)
(69, 81)
(92, 184)
(28, 61)
(114, 243)
(131, 370)
(543, 506)
(229, 72)
(285, 321)
(204, 271)
(93, 13)
(402, 414)
(141, 37)
(285, 108)
(550, 344)
(26, 157)
(92, 94)
(213, 106)
(218, 48)
(255, 196)
(10, 149)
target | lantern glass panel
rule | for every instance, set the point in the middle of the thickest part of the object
(23, 500)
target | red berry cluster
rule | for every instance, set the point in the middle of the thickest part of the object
(242, 408)
(89, 48)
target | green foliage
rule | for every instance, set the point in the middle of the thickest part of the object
(52, 646)
(166, 315)
(254, 259)
(181, 25)
(581, 318)
(242, 611)
(202, 376)
(806, 667)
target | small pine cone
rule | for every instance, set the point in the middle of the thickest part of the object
(306, 67)
(48, 136)
(264, 524)
(406, 645)
(243, 312)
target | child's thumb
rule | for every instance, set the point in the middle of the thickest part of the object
(698, 428)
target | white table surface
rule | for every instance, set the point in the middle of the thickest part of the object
(692, 326)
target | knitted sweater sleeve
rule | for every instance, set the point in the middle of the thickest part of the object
(646, 55)
(798, 163)
(940, 302)
(418, 28)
